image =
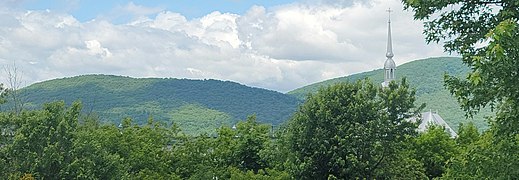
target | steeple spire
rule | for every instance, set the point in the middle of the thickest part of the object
(389, 53)
(389, 65)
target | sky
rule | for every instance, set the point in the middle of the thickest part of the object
(278, 45)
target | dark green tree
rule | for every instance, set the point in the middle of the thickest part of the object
(350, 130)
(233, 153)
(434, 148)
(3, 94)
(486, 34)
(487, 158)
(194, 158)
(42, 142)
(467, 134)
(251, 139)
(91, 157)
(143, 148)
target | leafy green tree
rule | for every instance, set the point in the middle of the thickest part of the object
(467, 134)
(349, 130)
(235, 152)
(91, 157)
(143, 148)
(251, 139)
(434, 148)
(487, 158)
(268, 174)
(43, 141)
(3, 94)
(486, 34)
(402, 164)
(194, 159)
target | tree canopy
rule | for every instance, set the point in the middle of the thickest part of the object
(486, 34)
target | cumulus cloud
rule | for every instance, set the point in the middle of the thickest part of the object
(279, 48)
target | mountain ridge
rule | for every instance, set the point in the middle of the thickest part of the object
(114, 98)
(200, 106)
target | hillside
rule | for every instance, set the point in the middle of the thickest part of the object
(426, 76)
(196, 105)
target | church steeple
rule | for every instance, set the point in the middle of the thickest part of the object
(389, 53)
(389, 65)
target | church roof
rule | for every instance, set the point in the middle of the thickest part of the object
(433, 118)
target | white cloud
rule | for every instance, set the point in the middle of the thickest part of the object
(281, 48)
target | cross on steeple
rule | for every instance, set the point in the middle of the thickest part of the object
(389, 13)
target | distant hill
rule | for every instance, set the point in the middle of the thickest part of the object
(426, 76)
(196, 105)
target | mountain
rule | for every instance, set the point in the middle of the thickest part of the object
(197, 106)
(426, 76)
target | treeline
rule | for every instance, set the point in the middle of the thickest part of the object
(60, 143)
(346, 131)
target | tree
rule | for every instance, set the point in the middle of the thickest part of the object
(467, 134)
(434, 148)
(252, 137)
(486, 34)
(489, 157)
(350, 130)
(3, 94)
(14, 80)
(43, 140)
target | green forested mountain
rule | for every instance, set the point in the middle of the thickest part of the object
(199, 106)
(195, 105)
(426, 75)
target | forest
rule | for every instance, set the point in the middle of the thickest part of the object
(323, 140)
(332, 136)
(348, 130)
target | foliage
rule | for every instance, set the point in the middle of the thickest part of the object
(486, 34)
(370, 131)
(232, 151)
(51, 144)
(487, 158)
(467, 134)
(251, 139)
(494, 77)
(168, 100)
(426, 76)
(3, 94)
(267, 174)
(403, 164)
(43, 140)
(434, 148)
(348, 130)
